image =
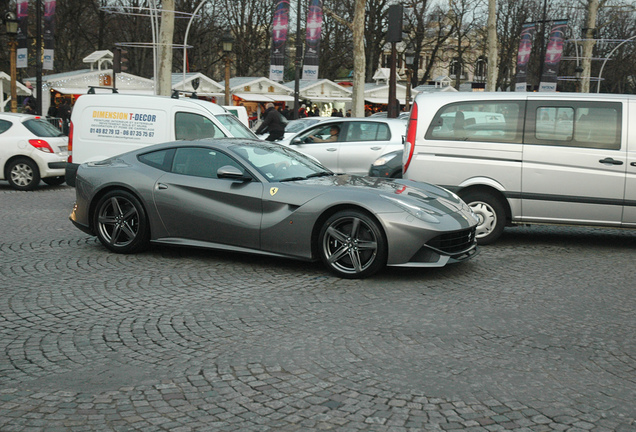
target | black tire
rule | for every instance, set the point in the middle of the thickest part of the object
(53, 181)
(23, 174)
(120, 222)
(491, 213)
(352, 245)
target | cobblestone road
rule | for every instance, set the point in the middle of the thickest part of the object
(537, 333)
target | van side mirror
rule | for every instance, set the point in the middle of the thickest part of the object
(233, 173)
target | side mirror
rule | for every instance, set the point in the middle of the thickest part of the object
(296, 141)
(233, 173)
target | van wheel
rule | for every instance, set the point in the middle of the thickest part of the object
(491, 214)
(23, 174)
(121, 223)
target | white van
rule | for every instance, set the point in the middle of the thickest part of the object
(528, 157)
(105, 125)
(240, 112)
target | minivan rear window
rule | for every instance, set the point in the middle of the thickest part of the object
(495, 121)
(575, 124)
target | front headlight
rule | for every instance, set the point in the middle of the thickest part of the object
(414, 210)
(382, 160)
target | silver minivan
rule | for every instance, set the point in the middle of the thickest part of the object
(359, 141)
(522, 158)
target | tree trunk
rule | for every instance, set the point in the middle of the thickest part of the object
(164, 80)
(491, 80)
(359, 59)
(588, 45)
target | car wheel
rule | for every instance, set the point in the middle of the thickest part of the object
(491, 214)
(352, 245)
(53, 181)
(121, 223)
(23, 174)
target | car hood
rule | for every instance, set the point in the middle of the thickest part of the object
(396, 193)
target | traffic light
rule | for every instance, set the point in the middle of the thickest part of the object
(120, 60)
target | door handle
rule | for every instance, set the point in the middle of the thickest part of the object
(332, 149)
(161, 186)
(376, 148)
(611, 161)
(633, 164)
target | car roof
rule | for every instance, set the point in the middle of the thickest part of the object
(17, 116)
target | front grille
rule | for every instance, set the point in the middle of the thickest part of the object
(453, 242)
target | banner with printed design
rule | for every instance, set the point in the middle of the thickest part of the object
(553, 55)
(22, 52)
(523, 56)
(279, 39)
(312, 50)
(49, 34)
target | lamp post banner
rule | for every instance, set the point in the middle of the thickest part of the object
(523, 55)
(314, 27)
(553, 55)
(279, 39)
(49, 34)
(23, 25)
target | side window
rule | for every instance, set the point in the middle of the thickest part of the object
(489, 121)
(200, 162)
(159, 159)
(322, 133)
(4, 126)
(190, 126)
(368, 131)
(575, 124)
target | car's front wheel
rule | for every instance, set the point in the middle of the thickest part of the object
(121, 223)
(23, 174)
(352, 245)
(491, 214)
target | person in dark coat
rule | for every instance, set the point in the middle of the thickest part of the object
(271, 123)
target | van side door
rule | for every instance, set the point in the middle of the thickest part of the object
(629, 212)
(574, 162)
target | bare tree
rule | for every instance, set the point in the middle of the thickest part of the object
(166, 35)
(491, 81)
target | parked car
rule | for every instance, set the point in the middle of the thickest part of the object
(359, 142)
(388, 165)
(525, 158)
(262, 197)
(31, 149)
(295, 126)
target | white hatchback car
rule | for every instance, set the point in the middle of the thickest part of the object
(31, 149)
(358, 143)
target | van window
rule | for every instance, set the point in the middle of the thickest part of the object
(190, 126)
(200, 162)
(496, 121)
(582, 124)
(234, 125)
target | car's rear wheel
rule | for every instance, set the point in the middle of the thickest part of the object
(23, 174)
(121, 223)
(352, 245)
(491, 214)
(53, 181)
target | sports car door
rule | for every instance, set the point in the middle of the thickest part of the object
(196, 205)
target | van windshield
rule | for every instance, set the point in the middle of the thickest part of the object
(234, 125)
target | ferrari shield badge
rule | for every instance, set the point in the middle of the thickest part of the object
(273, 191)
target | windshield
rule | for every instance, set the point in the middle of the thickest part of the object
(300, 124)
(279, 163)
(234, 125)
(42, 129)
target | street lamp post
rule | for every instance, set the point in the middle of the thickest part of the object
(228, 42)
(409, 58)
(577, 75)
(11, 24)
